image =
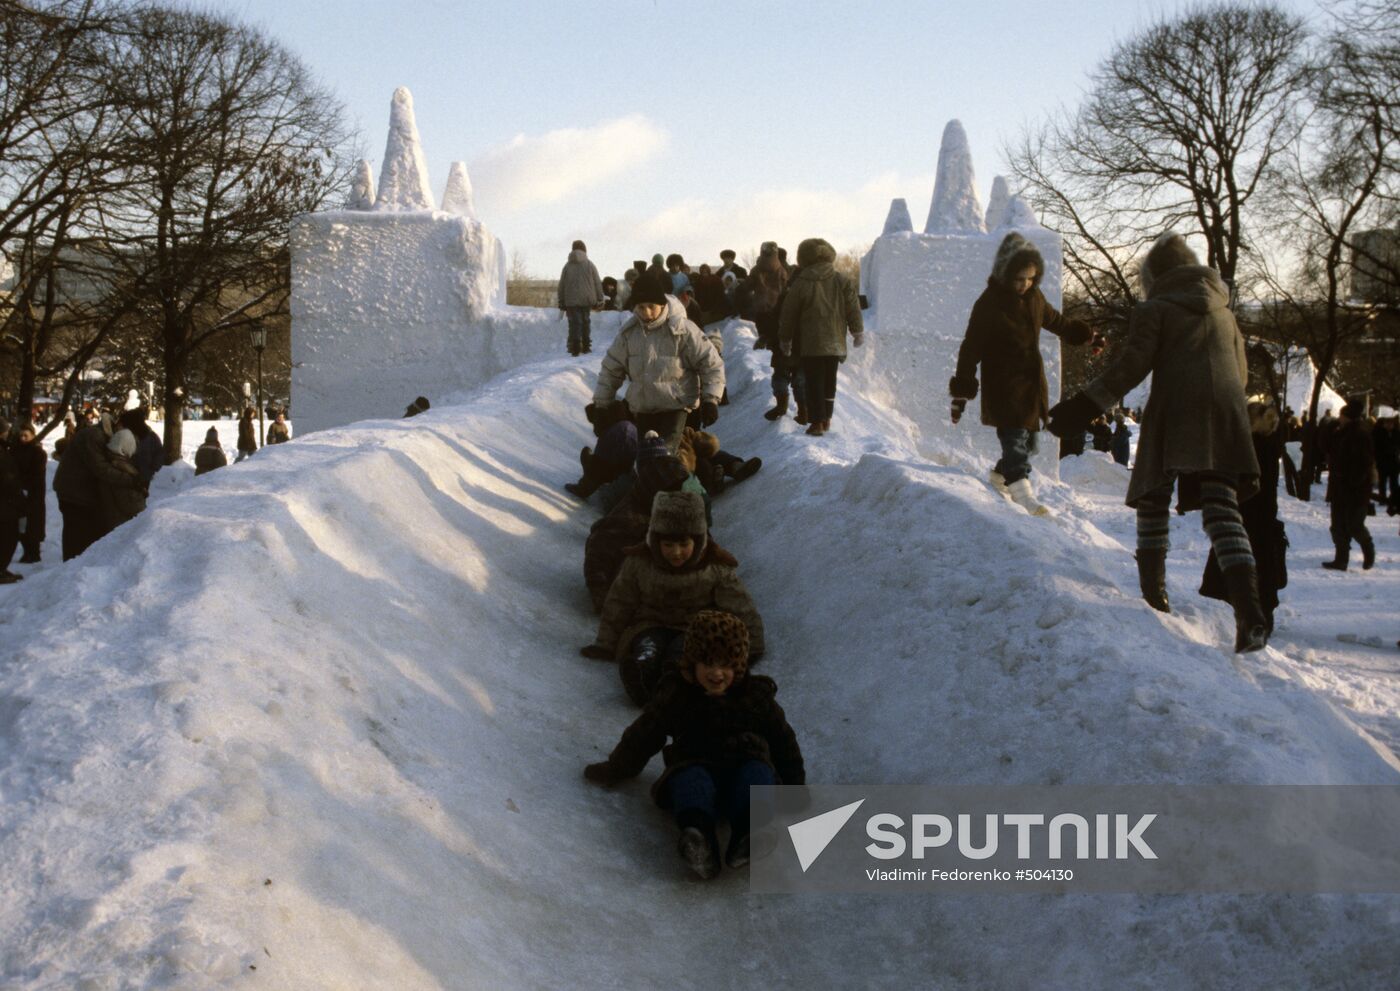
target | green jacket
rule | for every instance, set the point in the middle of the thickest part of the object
(821, 304)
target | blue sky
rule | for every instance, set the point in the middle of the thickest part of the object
(645, 126)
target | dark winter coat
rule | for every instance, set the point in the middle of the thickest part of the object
(247, 436)
(579, 284)
(209, 456)
(122, 491)
(31, 461)
(1003, 337)
(625, 525)
(1351, 465)
(278, 434)
(1267, 538)
(821, 305)
(83, 462)
(1386, 442)
(150, 454)
(746, 723)
(11, 488)
(1103, 437)
(1185, 336)
(648, 593)
(1122, 443)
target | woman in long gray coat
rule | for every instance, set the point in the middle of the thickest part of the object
(1195, 428)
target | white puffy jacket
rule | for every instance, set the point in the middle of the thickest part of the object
(671, 367)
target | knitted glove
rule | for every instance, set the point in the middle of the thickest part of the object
(958, 406)
(709, 412)
(596, 652)
(858, 340)
(1072, 416)
(601, 773)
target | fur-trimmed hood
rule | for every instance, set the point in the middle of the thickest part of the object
(1169, 251)
(1013, 254)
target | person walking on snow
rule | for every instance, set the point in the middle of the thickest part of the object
(1195, 429)
(580, 290)
(247, 437)
(1351, 472)
(210, 454)
(821, 306)
(672, 369)
(32, 461)
(1003, 337)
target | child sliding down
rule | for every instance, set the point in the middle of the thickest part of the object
(727, 732)
(663, 583)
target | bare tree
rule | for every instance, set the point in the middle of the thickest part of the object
(229, 139)
(1338, 180)
(1178, 130)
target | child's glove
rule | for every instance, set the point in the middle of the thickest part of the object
(858, 340)
(709, 412)
(598, 653)
(958, 406)
(601, 773)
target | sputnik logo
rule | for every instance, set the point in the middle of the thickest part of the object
(811, 836)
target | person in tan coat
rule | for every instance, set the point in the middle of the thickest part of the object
(1195, 428)
(820, 307)
(663, 583)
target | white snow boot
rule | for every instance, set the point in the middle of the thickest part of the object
(998, 481)
(1022, 495)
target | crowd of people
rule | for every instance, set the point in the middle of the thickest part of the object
(105, 468)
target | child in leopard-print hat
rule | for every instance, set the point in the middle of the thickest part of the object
(727, 732)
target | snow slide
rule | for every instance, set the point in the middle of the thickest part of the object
(319, 722)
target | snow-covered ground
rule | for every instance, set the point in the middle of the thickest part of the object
(318, 721)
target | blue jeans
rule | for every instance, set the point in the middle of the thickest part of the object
(787, 372)
(579, 328)
(709, 792)
(1017, 446)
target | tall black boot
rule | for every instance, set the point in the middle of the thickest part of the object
(779, 411)
(1368, 553)
(1340, 557)
(1251, 625)
(1152, 578)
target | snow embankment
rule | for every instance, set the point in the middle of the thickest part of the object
(320, 721)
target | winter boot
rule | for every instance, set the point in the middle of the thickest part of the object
(815, 428)
(9, 577)
(1340, 558)
(573, 349)
(1152, 578)
(589, 483)
(1023, 495)
(801, 414)
(1251, 626)
(826, 426)
(747, 469)
(698, 846)
(738, 853)
(715, 483)
(1368, 555)
(587, 347)
(779, 411)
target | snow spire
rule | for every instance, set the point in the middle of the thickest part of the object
(457, 198)
(955, 209)
(1020, 215)
(898, 221)
(362, 189)
(996, 206)
(403, 179)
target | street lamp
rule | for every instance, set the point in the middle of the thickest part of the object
(257, 334)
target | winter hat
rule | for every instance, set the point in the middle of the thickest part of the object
(658, 261)
(580, 246)
(652, 446)
(1355, 408)
(123, 442)
(714, 637)
(1013, 254)
(211, 436)
(814, 251)
(677, 514)
(650, 288)
(728, 254)
(1167, 252)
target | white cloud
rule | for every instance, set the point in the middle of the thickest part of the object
(529, 171)
(699, 228)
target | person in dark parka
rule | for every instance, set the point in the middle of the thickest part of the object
(121, 489)
(1195, 427)
(11, 506)
(1003, 338)
(1351, 472)
(1267, 538)
(32, 462)
(76, 485)
(727, 733)
(1121, 445)
(150, 453)
(210, 454)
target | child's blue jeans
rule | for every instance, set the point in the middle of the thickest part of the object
(710, 792)
(1017, 447)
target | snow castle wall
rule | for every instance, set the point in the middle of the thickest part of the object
(393, 299)
(921, 287)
